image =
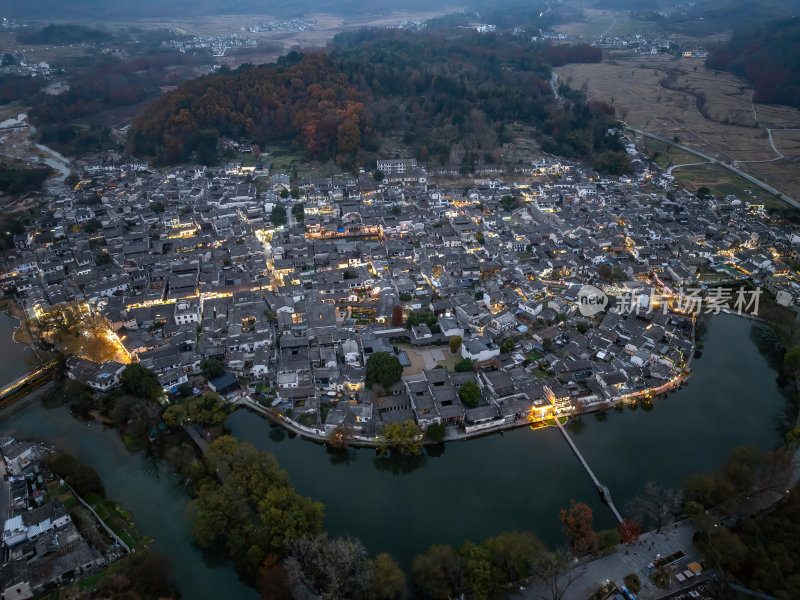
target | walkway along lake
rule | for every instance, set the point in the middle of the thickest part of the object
(521, 479)
(475, 489)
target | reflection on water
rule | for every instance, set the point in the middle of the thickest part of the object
(399, 465)
(143, 485)
(277, 434)
(13, 355)
(153, 465)
(341, 456)
(521, 480)
(464, 490)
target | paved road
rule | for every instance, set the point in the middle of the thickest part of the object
(616, 566)
(669, 171)
(722, 164)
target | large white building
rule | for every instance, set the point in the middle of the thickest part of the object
(397, 166)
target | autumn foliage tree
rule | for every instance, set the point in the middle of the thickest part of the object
(397, 316)
(437, 90)
(302, 98)
(578, 522)
(273, 582)
(629, 531)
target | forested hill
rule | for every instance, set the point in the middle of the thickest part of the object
(768, 56)
(436, 89)
(305, 99)
(703, 17)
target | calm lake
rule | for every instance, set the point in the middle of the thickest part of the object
(522, 479)
(475, 489)
(13, 355)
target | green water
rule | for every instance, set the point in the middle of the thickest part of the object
(519, 480)
(522, 479)
(158, 502)
(13, 355)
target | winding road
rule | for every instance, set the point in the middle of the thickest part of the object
(724, 165)
(669, 170)
(610, 27)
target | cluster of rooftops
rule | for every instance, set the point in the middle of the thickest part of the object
(188, 265)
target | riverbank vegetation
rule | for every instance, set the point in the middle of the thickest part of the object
(404, 439)
(246, 509)
(207, 410)
(16, 178)
(246, 505)
(483, 570)
(133, 409)
(746, 522)
(141, 575)
(747, 473)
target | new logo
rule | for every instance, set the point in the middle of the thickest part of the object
(591, 300)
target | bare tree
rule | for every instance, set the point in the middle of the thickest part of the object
(555, 573)
(337, 568)
(774, 472)
(656, 506)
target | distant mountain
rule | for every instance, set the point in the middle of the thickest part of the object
(708, 16)
(768, 56)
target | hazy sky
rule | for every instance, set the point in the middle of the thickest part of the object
(99, 9)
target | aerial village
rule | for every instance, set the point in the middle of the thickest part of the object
(293, 283)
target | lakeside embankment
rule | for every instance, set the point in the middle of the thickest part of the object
(22, 334)
(319, 435)
(393, 486)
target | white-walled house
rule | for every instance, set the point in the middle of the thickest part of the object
(478, 351)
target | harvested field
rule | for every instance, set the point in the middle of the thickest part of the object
(707, 110)
(666, 156)
(719, 181)
(609, 22)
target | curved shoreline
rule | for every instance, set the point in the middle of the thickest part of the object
(314, 435)
(11, 308)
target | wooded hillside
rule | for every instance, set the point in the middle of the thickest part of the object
(435, 89)
(768, 56)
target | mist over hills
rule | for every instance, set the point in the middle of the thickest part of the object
(707, 16)
(104, 9)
